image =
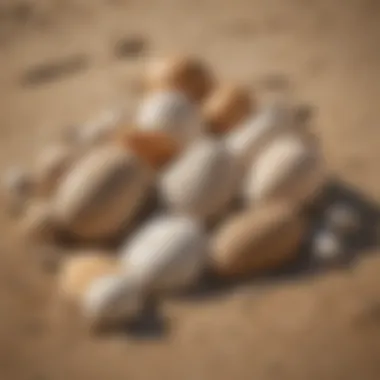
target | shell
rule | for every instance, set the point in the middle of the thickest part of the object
(183, 74)
(202, 182)
(38, 223)
(51, 165)
(113, 299)
(251, 137)
(288, 169)
(257, 240)
(169, 252)
(172, 113)
(226, 108)
(156, 148)
(80, 270)
(102, 193)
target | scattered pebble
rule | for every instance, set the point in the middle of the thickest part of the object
(18, 186)
(276, 82)
(227, 107)
(50, 71)
(304, 113)
(327, 248)
(130, 47)
(342, 218)
(17, 181)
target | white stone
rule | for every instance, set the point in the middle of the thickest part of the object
(113, 298)
(170, 112)
(169, 252)
(202, 182)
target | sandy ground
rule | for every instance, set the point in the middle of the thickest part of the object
(320, 327)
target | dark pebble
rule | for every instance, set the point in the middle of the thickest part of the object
(50, 71)
(130, 47)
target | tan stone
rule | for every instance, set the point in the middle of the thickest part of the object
(257, 240)
(80, 270)
(102, 192)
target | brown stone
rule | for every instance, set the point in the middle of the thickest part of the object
(227, 106)
(185, 74)
(156, 148)
(257, 240)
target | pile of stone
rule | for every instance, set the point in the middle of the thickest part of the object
(232, 178)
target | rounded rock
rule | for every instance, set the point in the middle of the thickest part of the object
(226, 108)
(327, 248)
(184, 74)
(156, 148)
(258, 240)
(287, 169)
(102, 193)
(248, 139)
(172, 113)
(202, 182)
(113, 299)
(17, 181)
(169, 252)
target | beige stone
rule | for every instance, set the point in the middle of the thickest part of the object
(102, 192)
(81, 269)
(257, 240)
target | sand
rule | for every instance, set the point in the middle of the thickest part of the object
(325, 326)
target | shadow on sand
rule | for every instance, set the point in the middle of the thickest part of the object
(362, 242)
(151, 324)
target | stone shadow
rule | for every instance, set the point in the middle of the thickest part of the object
(363, 241)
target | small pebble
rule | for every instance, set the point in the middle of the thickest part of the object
(130, 47)
(17, 181)
(18, 186)
(49, 71)
(342, 218)
(327, 248)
